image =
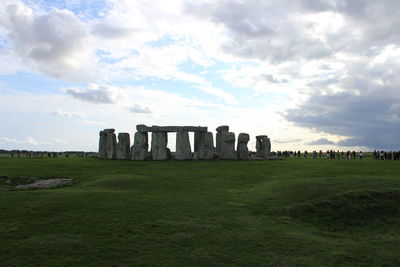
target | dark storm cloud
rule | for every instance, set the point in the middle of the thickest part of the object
(370, 119)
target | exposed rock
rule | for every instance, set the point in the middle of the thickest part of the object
(102, 145)
(220, 130)
(183, 149)
(159, 142)
(263, 146)
(198, 139)
(48, 183)
(140, 146)
(228, 145)
(109, 130)
(111, 145)
(242, 150)
(207, 146)
(155, 128)
(123, 147)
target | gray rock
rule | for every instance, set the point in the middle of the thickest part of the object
(139, 150)
(102, 145)
(242, 150)
(109, 130)
(48, 183)
(155, 128)
(222, 128)
(207, 146)
(198, 139)
(183, 149)
(111, 145)
(159, 142)
(263, 146)
(123, 146)
(228, 146)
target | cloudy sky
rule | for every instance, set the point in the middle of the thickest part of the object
(311, 74)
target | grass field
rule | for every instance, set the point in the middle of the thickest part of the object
(295, 212)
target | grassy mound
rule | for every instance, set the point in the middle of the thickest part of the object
(355, 209)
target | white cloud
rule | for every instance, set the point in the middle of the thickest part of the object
(69, 114)
(55, 43)
(103, 94)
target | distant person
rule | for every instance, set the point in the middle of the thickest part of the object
(12, 155)
(361, 155)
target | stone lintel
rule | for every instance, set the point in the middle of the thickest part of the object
(143, 128)
(261, 136)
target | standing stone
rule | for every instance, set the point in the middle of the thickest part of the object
(123, 146)
(207, 146)
(159, 142)
(111, 144)
(183, 149)
(228, 146)
(140, 146)
(103, 145)
(242, 150)
(221, 129)
(198, 139)
(263, 146)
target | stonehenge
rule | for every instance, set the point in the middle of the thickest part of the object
(242, 150)
(263, 146)
(139, 150)
(228, 146)
(203, 148)
(123, 148)
(183, 150)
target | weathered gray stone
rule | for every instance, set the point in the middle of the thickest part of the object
(220, 129)
(155, 128)
(111, 145)
(109, 130)
(242, 150)
(48, 183)
(102, 145)
(228, 146)
(263, 146)
(183, 149)
(159, 142)
(207, 146)
(123, 146)
(139, 150)
(198, 140)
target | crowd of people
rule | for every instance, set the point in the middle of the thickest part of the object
(332, 154)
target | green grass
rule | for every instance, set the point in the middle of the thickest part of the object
(303, 212)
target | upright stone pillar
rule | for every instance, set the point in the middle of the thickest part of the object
(103, 145)
(198, 139)
(183, 149)
(111, 144)
(263, 146)
(140, 146)
(228, 146)
(123, 146)
(220, 130)
(207, 147)
(159, 142)
(242, 150)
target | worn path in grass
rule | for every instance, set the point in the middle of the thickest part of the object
(201, 213)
